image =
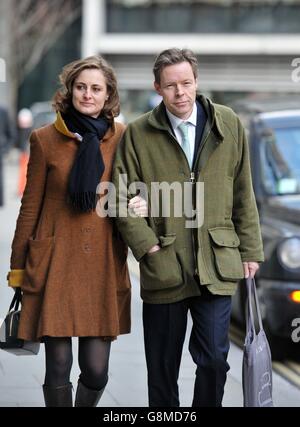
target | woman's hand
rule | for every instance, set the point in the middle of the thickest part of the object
(139, 206)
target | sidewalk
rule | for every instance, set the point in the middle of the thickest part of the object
(21, 377)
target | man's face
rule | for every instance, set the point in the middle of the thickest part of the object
(178, 88)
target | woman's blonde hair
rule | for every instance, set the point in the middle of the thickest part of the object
(62, 99)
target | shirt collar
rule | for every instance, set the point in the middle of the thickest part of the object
(176, 121)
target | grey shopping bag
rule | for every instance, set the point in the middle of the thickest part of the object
(257, 361)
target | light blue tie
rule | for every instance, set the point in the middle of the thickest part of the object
(183, 127)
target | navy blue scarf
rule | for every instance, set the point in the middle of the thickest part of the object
(88, 166)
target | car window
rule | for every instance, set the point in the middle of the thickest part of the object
(280, 161)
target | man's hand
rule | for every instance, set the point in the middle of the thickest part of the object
(139, 206)
(154, 248)
(250, 268)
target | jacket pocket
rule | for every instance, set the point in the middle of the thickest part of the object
(161, 270)
(228, 262)
(37, 264)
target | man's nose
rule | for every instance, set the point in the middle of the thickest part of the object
(179, 90)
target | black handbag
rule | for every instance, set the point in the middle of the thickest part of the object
(9, 340)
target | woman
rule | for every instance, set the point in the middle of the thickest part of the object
(69, 261)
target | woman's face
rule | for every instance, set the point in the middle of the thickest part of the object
(89, 92)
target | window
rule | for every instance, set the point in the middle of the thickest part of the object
(280, 155)
(202, 16)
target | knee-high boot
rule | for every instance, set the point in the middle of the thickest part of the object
(87, 397)
(58, 396)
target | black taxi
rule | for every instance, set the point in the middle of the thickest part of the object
(273, 128)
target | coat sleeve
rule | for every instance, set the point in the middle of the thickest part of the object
(31, 203)
(245, 214)
(135, 231)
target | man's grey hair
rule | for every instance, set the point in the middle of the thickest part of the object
(174, 56)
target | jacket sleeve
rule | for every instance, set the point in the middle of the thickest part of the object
(135, 231)
(245, 215)
(31, 203)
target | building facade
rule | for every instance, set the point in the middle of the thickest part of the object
(243, 45)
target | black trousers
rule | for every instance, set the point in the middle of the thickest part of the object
(164, 333)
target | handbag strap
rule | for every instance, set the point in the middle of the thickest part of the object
(251, 291)
(17, 298)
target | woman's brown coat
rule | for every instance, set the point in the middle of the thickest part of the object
(76, 280)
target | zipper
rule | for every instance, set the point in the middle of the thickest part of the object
(193, 181)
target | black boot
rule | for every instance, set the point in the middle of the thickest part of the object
(86, 396)
(58, 396)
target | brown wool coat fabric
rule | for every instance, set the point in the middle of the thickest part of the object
(76, 280)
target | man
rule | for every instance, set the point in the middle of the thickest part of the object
(7, 137)
(186, 268)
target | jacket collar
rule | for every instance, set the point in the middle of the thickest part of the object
(158, 117)
(61, 127)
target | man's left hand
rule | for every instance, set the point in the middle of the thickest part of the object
(250, 268)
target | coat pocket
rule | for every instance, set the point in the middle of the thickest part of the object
(37, 264)
(228, 262)
(161, 270)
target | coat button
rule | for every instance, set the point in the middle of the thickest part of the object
(86, 247)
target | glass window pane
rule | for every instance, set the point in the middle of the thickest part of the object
(164, 16)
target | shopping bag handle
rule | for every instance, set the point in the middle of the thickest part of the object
(16, 301)
(251, 291)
